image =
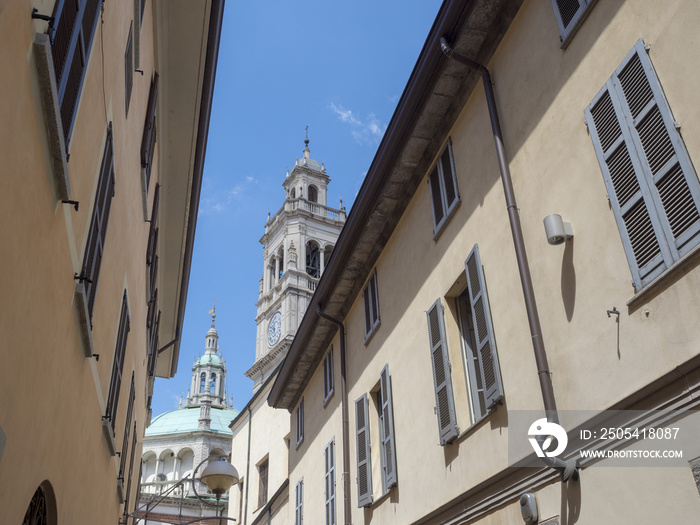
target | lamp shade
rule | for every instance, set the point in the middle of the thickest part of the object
(219, 476)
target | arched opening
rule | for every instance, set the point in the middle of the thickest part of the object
(148, 472)
(313, 193)
(313, 264)
(280, 258)
(42, 507)
(202, 382)
(212, 384)
(294, 193)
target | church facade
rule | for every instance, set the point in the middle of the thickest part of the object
(178, 441)
(297, 245)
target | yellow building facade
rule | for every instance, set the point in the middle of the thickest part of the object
(104, 119)
(451, 312)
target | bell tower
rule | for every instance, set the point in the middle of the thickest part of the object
(297, 244)
(208, 385)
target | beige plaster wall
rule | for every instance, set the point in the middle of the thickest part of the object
(53, 399)
(541, 93)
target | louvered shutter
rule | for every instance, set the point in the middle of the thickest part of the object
(388, 445)
(436, 199)
(92, 260)
(364, 459)
(449, 178)
(652, 186)
(75, 23)
(569, 14)
(299, 503)
(442, 378)
(483, 330)
(118, 363)
(148, 141)
(329, 456)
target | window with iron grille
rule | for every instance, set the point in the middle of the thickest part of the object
(92, 259)
(74, 27)
(444, 193)
(570, 14)
(651, 183)
(370, 296)
(118, 363)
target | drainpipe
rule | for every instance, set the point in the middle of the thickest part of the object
(568, 469)
(247, 467)
(344, 409)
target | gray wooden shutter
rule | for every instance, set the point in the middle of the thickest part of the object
(389, 445)
(652, 186)
(483, 330)
(299, 508)
(364, 458)
(148, 140)
(436, 199)
(570, 14)
(442, 378)
(449, 177)
(329, 456)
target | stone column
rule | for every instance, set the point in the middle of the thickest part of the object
(322, 259)
(277, 269)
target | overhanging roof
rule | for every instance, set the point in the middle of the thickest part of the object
(431, 102)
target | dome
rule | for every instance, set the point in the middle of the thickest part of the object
(212, 332)
(210, 360)
(185, 420)
(309, 163)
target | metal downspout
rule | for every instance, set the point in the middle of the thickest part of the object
(247, 467)
(344, 409)
(568, 468)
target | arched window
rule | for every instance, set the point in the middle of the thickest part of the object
(313, 194)
(313, 267)
(212, 384)
(280, 257)
(202, 382)
(294, 193)
(37, 513)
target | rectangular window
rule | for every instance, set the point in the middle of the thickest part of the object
(652, 186)
(127, 428)
(479, 357)
(570, 15)
(370, 296)
(118, 364)
(443, 188)
(148, 141)
(153, 313)
(262, 484)
(94, 249)
(300, 422)
(329, 460)
(129, 67)
(328, 376)
(74, 23)
(299, 503)
(131, 474)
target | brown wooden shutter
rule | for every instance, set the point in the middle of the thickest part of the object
(118, 363)
(148, 141)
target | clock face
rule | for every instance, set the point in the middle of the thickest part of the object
(274, 329)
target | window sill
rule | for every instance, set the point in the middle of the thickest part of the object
(327, 399)
(672, 272)
(48, 92)
(381, 498)
(108, 437)
(438, 231)
(375, 329)
(80, 307)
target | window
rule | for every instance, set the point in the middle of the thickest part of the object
(131, 474)
(299, 503)
(202, 382)
(329, 461)
(129, 67)
(92, 259)
(479, 356)
(148, 141)
(328, 376)
(74, 23)
(387, 448)
(300, 422)
(262, 484)
(570, 15)
(313, 265)
(652, 186)
(443, 188)
(212, 384)
(313, 194)
(118, 364)
(370, 296)
(153, 313)
(127, 428)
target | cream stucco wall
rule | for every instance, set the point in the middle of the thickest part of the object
(541, 93)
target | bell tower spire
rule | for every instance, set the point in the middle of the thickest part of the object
(209, 373)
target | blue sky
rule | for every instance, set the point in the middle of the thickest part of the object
(338, 67)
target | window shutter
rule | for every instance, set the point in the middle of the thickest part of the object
(299, 507)
(449, 178)
(92, 259)
(436, 199)
(570, 14)
(483, 330)
(127, 428)
(364, 459)
(118, 364)
(652, 186)
(389, 446)
(131, 472)
(148, 140)
(442, 378)
(329, 454)
(75, 26)
(129, 68)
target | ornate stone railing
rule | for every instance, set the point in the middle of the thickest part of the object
(312, 207)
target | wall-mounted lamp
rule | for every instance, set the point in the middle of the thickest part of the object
(528, 508)
(557, 230)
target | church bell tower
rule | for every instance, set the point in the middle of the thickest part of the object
(297, 243)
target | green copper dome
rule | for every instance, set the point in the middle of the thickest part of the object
(210, 359)
(185, 420)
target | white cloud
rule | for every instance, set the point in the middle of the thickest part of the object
(215, 201)
(367, 131)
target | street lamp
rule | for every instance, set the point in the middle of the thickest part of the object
(218, 476)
